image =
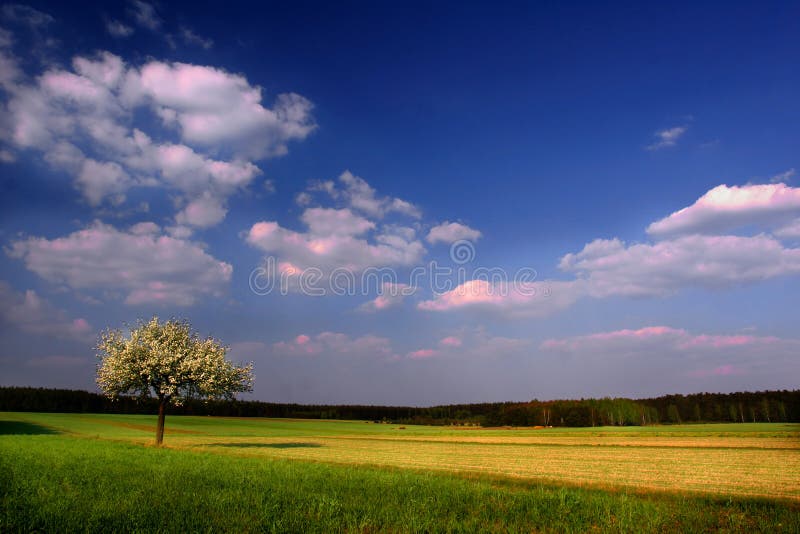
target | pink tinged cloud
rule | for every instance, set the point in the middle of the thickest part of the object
(722, 370)
(725, 208)
(450, 341)
(674, 339)
(335, 344)
(624, 336)
(422, 354)
(528, 299)
(34, 314)
(391, 295)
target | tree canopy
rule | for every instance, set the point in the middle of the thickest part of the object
(169, 361)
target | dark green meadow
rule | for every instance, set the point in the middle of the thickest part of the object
(53, 479)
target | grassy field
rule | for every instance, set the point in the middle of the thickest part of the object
(92, 472)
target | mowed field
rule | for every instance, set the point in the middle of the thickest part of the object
(717, 477)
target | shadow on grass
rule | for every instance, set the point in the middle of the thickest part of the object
(288, 445)
(22, 428)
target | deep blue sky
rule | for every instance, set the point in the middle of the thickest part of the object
(543, 127)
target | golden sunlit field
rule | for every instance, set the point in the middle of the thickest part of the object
(761, 460)
(658, 463)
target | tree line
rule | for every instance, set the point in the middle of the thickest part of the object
(741, 407)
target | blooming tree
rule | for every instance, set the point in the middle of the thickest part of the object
(170, 361)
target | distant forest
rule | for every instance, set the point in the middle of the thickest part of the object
(743, 407)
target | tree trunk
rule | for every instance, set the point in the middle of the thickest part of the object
(162, 405)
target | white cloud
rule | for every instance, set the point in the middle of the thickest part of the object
(726, 208)
(667, 137)
(330, 221)
(332, 251)
(32, 314)
(145, 266)
(84, 122)
(610, 267)
(202, 212)
(100, 180)
(450, 232)
(339, 238)
(211, 107)
(357, 194)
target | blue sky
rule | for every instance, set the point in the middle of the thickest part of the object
(640, 160)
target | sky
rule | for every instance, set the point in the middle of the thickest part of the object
(407, 203)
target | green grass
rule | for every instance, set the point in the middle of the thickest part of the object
(77, 472)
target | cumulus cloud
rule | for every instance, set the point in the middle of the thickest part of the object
(202, 212)
(329, 221)
(331, 251)
(338, 238)
(610, 267)
(450, 232)
(725, 208)
(33, 314)
(693, 355)
(686, 258)
(355, 193)
(667, 137)
(85, 121)
(100, 180)
(211, 107)
(143, 264)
